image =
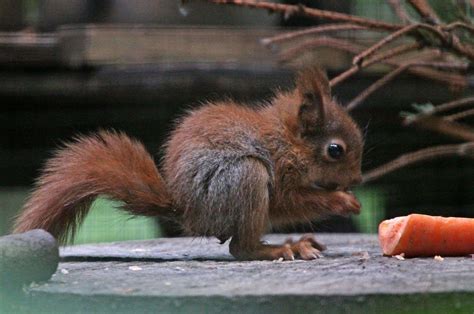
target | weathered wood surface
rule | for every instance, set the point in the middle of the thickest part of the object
(115, 44)
(199, 276)
(91, 45)
(27, 48)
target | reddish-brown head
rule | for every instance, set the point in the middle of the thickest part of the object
(330, 139)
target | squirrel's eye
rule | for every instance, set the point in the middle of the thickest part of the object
(335, 151)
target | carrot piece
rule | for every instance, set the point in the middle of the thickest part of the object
(423, 235)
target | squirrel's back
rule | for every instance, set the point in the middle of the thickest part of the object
(206, 158)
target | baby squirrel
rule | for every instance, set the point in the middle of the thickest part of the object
(229, 171)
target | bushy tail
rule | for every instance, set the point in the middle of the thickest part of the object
(107, 163)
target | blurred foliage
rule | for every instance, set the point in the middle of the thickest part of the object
(373, 209)
(105, 223)
(378, 11)
(452, 10)
(31, 9)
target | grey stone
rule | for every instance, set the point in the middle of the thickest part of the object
(27, 257)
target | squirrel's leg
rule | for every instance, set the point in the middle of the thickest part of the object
(253, 220)
(253, 187)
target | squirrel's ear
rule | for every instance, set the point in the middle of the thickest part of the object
(313, 88)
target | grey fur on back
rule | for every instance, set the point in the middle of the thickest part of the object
(221, 180)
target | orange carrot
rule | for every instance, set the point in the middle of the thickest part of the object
(423, 235)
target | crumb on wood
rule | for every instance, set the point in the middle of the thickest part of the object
(134, 268)
(400, 257)
(362, 255)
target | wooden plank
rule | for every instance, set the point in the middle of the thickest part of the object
(94, 45)
(145, 44)
(77, 46)
(27, 48)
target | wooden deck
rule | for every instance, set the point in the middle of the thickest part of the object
(199, 276)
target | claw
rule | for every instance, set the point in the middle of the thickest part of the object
(314, 243)
(288, 256)
(307, 248)
(288, 253)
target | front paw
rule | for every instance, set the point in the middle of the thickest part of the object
(306, 248)
(344, 203)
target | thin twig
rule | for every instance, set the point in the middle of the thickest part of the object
(344, 45)
(390, 76)
(311, 31)
(465, 149)
(440, 125)
(458, 24)
(348, 46)
(453, 104)
(448, 41)
(390, 53)
(461, 115)
(430, 73)
(375, 86)
(465, 50)
(443, 65)
(344, 76)
(439, 108)
(339, 44)
(455, 80)
(393, 36)
(377, 58)
(309, 12)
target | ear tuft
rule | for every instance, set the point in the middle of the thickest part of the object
(314, 81)
(313, 88)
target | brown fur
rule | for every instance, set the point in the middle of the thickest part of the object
(229, 171)
(107, 163)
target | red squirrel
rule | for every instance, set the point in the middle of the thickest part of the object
(229, 171)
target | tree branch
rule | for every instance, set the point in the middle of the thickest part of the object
(393, 36)
(309, 12)
(453, 104)
(339, 44)
(464, 150)
(375, 86)
(443, 126)
(311, 31)
(394, 73)
(461, 115)
(377, 58)
(439, 108)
